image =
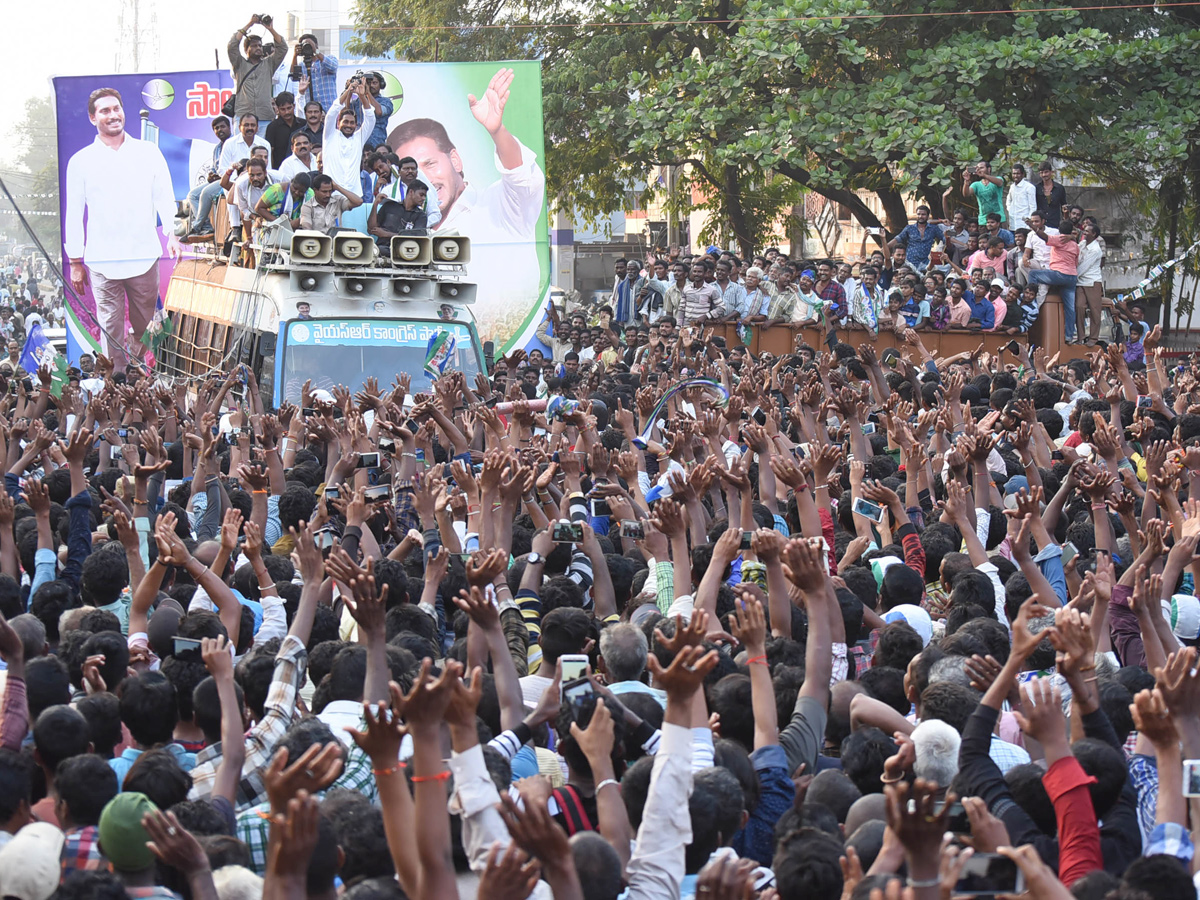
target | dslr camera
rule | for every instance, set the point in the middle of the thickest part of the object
(307, 50)
(265, 19)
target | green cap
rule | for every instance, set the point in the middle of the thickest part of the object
(122, 837)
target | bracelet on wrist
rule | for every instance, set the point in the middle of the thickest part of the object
(927, 883)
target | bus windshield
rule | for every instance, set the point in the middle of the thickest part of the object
(330, 352)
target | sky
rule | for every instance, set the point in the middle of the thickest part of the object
(83, 37)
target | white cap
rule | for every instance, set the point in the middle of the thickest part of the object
(916, 617)
(31, 863)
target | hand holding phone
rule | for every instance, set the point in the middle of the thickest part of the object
(564, 532)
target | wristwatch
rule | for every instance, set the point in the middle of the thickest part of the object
(534, 558)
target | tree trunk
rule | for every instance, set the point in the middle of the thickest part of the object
(737, 215)
(849, 199)
(894, 210)
(1174, 198)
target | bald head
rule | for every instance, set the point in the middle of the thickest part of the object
(207, 551)
(865, 809)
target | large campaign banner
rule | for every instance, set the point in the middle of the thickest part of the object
(118, 207)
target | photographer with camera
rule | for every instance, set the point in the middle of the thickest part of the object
(316, 70)
(378, 135)
(252, 73)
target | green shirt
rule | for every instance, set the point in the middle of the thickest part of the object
(278, 199)
(990, 197)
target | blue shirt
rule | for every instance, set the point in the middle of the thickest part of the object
(1049, 560)
(756, 840)
(917, 247)
(981, 310)
(123, 763)
(911, 312)
(735, 299)
(378, 135)
(1003, 233)
(323, 88)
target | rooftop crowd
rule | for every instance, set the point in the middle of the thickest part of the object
(985, 267)
(295, 151)
(826, 640)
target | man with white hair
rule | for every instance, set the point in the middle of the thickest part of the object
(936, 749)
(623, 652)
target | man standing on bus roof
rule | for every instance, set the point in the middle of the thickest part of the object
(125, 187)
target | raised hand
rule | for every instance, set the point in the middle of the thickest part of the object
(686, 673)
(687, 634)
(1152, 718)
(481, 610)
(804, 565)
(173, 844)
(1043, 719)
(483, 568)
(316, 769)
(510, 874)
(488, 110)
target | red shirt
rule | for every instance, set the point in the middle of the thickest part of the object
(1078, 833)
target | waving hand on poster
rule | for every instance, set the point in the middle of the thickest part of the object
(489, 112)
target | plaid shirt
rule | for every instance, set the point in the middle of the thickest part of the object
(1143, 771)
(254, 828)
(81, 850)
(834, 296)
(406, 511)
(1170, 839)
(279, 709)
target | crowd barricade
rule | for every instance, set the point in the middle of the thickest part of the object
(777, 340)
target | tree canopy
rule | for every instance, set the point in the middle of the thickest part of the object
(836, 96)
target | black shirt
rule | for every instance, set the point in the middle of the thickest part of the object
(279, 136)
(394, 217)
(1051, 206)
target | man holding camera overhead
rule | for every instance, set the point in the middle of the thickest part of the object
(317, 71)
(252, 73)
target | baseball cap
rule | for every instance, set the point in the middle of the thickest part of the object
(122, 835)
(998, 282)
(31, 863)
(916, 617)
(1011, 487)
(1183, 612)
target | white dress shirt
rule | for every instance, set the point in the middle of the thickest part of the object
(501, 221)
(237, 149)
(1022, 201)
(246, 196)
(293, 166)
(126, 192)
(1041, 250)
(1087, 266)
(341, 156)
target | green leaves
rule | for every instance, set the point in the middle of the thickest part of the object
(821, 94)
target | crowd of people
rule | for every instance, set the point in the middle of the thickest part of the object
(825, 632)
(309, 157)
(24, 300)
(987, 267)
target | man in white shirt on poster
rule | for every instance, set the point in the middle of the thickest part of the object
(125, 187)
(500, 219)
